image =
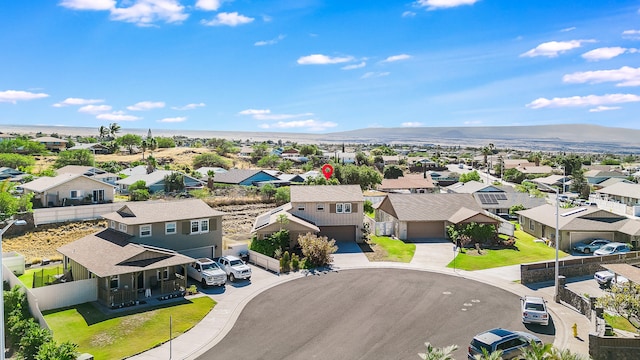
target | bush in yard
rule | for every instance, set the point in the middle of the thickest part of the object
(285, 262)
(295, 262)
(268, 246)
(317, 250)
(53, 351)
(33, 338)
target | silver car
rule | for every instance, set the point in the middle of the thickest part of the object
(512, 343)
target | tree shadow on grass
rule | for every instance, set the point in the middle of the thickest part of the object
(94, 313)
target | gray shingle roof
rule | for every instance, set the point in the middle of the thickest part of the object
(622, 189)
(236, 176)
(150, 179)
(108, 252)
(326, 193)
(407, 182)
(587, 218)
(162, 211)
(430, 207)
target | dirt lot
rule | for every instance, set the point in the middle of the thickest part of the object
(43, 242)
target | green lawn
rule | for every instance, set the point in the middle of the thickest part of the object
(125, 334)
(396, 250)
(619, 322)
(27, 277)
(526, 251)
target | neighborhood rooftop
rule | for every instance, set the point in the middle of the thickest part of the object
(162, 211)
(326, 193)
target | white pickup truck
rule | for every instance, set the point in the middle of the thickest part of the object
(207, 272)
(234, 267)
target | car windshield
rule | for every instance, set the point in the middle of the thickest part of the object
(608, 248)
(210, 266)
(480, 345)
(236, 262)
(534, 306)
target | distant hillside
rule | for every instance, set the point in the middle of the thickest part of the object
(568, 137)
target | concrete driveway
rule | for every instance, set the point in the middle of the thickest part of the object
(369, 314)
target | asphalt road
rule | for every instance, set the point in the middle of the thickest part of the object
(369, 314)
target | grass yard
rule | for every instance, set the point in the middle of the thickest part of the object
(619, 322)
(388, 249)
(27, 277)
(526, 251)
(121, 335)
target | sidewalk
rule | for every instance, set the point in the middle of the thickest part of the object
(428, 257)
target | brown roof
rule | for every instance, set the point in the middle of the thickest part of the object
(108, 252)
(407, 182)
(430, 207)
(135, 213)
(326, 193)
(587, 218)
(630, 272)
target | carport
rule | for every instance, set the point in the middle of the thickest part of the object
(628, 271)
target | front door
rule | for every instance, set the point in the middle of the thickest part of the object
(98, 196)
(140, 281)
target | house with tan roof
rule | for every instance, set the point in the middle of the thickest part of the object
(280, 218)
(90, 171)
(414, 184)
(415, 217)
(155, 181)
(69, 189)
(52, 143)
(496, 199)
(621, 197)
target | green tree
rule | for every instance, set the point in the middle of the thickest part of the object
(268, 191)
(138, 191)
(433, 353)
(103, 132)
(114, 129)
(308, 150)
(23, 146)
(579, 184)
(392, 172)
(368, 207)
(144, 147)
(174, 182)
(74, 157)
(16, 161)
(362, 159)
(210, 159)
(259, 151)
(624, 300)
(285, 165)
(513, 176)
(283, 195)
(321, 180)
(470, 176)
(537, 351)
(165, 142)
(514, 208)
(350, 174)
(269, 161)
(34, 337)
(129, 141)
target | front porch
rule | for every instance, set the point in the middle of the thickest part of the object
(131, 289)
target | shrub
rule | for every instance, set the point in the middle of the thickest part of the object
(33, 338)
(317, 250)
(295, 262)
(285, 262)
(52, 351)
(269, 246)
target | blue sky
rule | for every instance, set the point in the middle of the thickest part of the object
(319, 66)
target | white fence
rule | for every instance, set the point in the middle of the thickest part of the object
(611, 206)
(384, 228)
(507, 228)
(73, 213)
(75, 292)
(264, 261)
(235, 249)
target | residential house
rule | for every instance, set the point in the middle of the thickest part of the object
(557, 181)
(578, 224)
(622, 198)
(11, 174)
(345, 157)
(410, 184)
(390, 160)
(246, 151)
(155, 181)
(126, 272)
(290, 153)
(496, 199)
(310, 174)
(204, 171)
(416, 217)
(283, 179)
(69, 189)
(52, 143)
(189, 226)
(535, 170)
(442, 178)
(609, 182)
(273, 221)
(595, 176)
(137, 170)
(5, 136)
(95, 148)
(337, 210)
(90, 171)
(244, 177)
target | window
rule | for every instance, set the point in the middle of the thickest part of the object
(199, 226)
(145, 230)
(532, 225)
(301, 207)
(163, 273)
(74, 194)
(115, 281)
(170, 228)
(343, 208)
(320, 207)
(112, 224)
(122, 227)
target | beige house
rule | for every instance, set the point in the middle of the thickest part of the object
(52, 143)
(280, 218)
(189, 227)
(69, 189)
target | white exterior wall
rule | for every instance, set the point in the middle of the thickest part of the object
(84, 186)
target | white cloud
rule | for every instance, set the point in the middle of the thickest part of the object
(208, 5)
(94, 109)
(625, 76)
(267, 115)
(255, 112)
(444, 4)
(589, 100)
(372, 74)
(554, 48)
(189, 106)
(173, 119)
(319, 59)
(631, 34)
(117, 116)
(228, 19)
(607, 53)
(77, 102)
(354, 66)
(604, 108)
(311, 125)
(146, 105)
(269, 42)
(397, 58)
(408, 14)
(88, 4)
(568, 29)
(146, 12)
(13, 96)
(412, 124)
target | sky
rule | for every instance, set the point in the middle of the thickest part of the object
(319, 66)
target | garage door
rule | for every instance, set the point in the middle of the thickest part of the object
(581, 236)
(339, 233)
(208, 251)
(425, 230)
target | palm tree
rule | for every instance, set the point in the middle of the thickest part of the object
(557, 354)
(210, 175)
(144, 146)
(103, 131)
(114, 129)
(537, 351)
(438, 353)
(486, 355)
(486, 151)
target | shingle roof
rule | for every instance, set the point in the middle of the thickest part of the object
(473, 186)
(138, 170)
(622, 189)
(45, 183)
(326, 193)
(86, 170)
(135, 213)
(236, 176)
(49, 139)
(152, 178)
(587, 218)
(407, 182)
(271, 217)
(512, 198)
(109, 252)
(430, 207)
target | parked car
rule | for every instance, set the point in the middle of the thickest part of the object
(234, 268)
(207, 272)
(590, 246)
(507, 216)
(608, 278)
(612, 248)
(510, 342)
(534, 310)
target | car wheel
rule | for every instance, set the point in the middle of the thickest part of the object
(203, 282)
(587, 250)
(232, 277)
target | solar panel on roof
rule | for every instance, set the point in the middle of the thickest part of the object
(262, 220)
(574, 211)
(501, 196)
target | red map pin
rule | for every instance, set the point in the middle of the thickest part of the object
(327, 171)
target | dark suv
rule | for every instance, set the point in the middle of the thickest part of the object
(510, 342)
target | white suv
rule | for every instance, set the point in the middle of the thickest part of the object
(207, 272)
(234, 268)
